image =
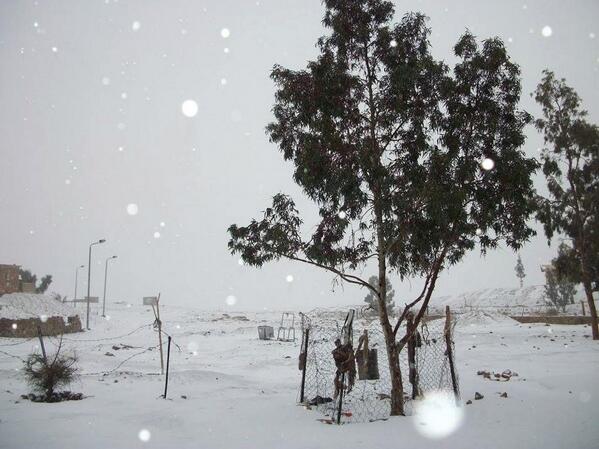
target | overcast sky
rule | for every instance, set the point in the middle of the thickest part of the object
(91, 122)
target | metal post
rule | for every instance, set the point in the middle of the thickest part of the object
(583, 311)
(105, 277)
(168, 357)
(448, 342)
(89, 262)
(76, 276)
(305, 355)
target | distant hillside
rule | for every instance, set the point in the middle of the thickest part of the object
(530, 298)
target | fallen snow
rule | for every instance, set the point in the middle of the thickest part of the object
(30, 305)
(241, 392)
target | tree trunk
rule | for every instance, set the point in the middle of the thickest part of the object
(592, 309)
(395, 372)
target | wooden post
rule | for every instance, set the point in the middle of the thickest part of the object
(305, 355)
(413, 375)
(168, 357)
(157, 316)
(448, 343)
(39, 335)
(583, 310)
(340, 398)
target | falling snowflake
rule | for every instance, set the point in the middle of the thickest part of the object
(43, 318)
(189, 108)
(437, 415)
(488, 164)
(240, 262)
(225, 33)
(342, 215)
(124, 95)
(546, 31)
(14, 326)
(223, 81)
(591, 35)
(144, 435)
(479, 232)
(105, 81)
(156, 235)
(132, 209)
(226, 49)
(120, 149)
(67, 181)
(231, 300)
(393, 43)
(135, 26)
(289, 278)
(54, 49)
(162, 224)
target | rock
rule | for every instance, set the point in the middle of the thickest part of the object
(116, 381)
(478, 396)
(109, 354)
(496, 375)
(487, 375)
(507, 374)
(503, 395)
(468, 402)
(183, 396)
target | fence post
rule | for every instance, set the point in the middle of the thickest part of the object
(39, 335)
(340, 398)
(305, 355)
(448, 343)
(583, 311)
(168, 357)
(413, 375)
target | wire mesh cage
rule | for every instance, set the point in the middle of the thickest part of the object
(360, 391)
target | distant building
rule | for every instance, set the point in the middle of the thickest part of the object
(9, 279)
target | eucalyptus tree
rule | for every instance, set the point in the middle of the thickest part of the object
(388, 142)
(571, 167)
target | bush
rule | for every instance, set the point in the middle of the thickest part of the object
(46, 376)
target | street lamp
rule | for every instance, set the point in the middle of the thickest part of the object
(76, 275)
(89, 262)
(105, 276)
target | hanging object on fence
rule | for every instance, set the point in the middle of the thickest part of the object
(343, 355)
(367, 359)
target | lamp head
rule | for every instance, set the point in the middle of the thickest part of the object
(101, 240)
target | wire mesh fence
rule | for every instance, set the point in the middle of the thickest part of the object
(359, 388)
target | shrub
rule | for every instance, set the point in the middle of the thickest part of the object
(47, 375)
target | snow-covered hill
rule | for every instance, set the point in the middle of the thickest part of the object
(508, 300)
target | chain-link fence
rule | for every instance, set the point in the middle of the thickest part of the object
(345, 366)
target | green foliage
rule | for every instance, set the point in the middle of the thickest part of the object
(520, 270)
(44, 284)
(372, 300)
(571, 167)
(388, 142)
(47, 376)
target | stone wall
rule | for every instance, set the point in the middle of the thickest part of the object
(27, 328)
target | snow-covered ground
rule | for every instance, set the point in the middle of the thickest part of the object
(228, 389)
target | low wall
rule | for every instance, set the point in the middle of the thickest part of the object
(549, 319)
(27, 328)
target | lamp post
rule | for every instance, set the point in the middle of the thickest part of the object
(76, 275)
(89, 262)
(105, 276)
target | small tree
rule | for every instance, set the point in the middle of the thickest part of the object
(44, 284)
(47, 376)
(372, 300)
(571, 167)
(520, 271)
(559, 292)
(410, 164)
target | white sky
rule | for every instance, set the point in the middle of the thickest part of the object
(90, 119)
